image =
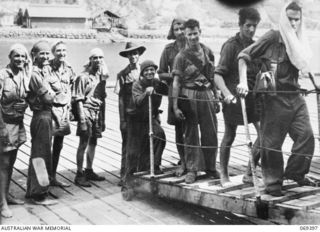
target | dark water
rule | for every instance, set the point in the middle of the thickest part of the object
(78, 53)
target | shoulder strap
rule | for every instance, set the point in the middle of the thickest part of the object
(195, 60)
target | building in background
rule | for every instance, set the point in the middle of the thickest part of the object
(107, 20)
(6, 17)
(55, 16)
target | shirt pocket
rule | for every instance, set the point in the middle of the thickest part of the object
(9, 91)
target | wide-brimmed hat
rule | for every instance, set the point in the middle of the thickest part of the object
(145, 64)
(130, 47)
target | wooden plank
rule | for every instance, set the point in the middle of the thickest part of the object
(291, 194)
(306, 203)
(203, 198)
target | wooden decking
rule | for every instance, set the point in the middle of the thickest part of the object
(103, 204)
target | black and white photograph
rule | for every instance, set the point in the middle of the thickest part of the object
(159, 113)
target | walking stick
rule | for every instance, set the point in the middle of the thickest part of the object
(151, 138)
(261, 207)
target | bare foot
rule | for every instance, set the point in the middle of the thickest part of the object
(224, 180)
(6, 212)
(181, 171)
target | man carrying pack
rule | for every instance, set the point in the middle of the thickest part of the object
(193, 72)
(284, 53)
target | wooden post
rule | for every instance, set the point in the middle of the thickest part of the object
(151, 138)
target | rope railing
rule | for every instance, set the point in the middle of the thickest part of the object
(195, 146)
(308, 156)
(302, 92)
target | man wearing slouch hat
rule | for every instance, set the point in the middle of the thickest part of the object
(125, 79)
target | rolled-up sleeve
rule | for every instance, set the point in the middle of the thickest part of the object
(178, 65)
(163, 65)
(226, 59)
(258, 48)
(80, 88)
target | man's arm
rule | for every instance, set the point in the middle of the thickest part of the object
(164, 74)
(219, 81)
(242, 87)
(139, 96)
(254, 51)
(4, 134)
(175, 94)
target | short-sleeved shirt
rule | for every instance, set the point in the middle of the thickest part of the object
(13, 89)
(91, 90)
(65, 75)
(126, 78)
(228, 63)
(42, 82)
(189, 73)
(271, 49)
(167, 58)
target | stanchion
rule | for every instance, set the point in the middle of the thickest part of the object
(151, 138)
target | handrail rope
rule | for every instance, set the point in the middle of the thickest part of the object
(238, 145)
(218, 100)
(195, 146)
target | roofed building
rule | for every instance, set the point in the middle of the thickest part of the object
(55, 16)
(6, 17)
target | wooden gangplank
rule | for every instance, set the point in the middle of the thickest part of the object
(299, 205)
(109, 208)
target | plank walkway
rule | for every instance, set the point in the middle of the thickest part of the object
(102, 203)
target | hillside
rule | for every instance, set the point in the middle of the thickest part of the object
(157, 14)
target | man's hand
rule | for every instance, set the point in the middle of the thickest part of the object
(149, 90)
(179, 115)
(230, 99)
(242, 89)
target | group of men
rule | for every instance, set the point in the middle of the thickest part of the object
(187, 74)
(187, 68)
(49, 87)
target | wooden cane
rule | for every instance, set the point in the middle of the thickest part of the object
(151, 138)
(261, 207)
